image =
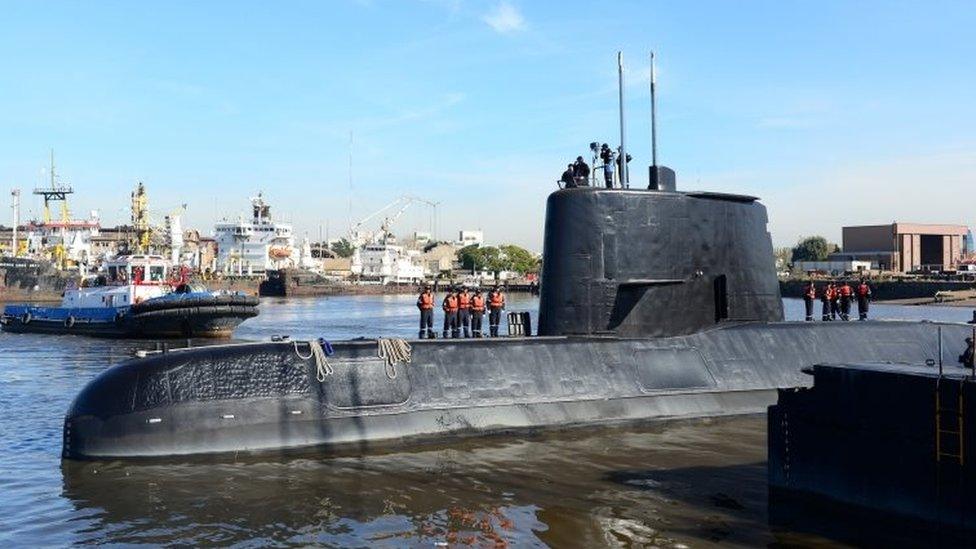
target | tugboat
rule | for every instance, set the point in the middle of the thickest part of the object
(135, 297)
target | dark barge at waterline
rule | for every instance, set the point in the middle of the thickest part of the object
(881, 441)
(654, 304)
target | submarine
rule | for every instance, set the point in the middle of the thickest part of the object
(655, 304)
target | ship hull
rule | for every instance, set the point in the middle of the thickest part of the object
(205, 317)
(267, 397)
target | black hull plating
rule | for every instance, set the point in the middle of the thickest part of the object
(217, 321)
(265, 396)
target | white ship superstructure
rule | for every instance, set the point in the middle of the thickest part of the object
(253, 247)
(386, 263)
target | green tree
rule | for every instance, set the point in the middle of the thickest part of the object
(476, 257)
(812, 248)
(519, 259)
(342, 248)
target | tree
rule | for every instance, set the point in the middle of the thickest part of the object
(812, 248)
(506, 257)
(342, 248)
(519, 259)
(478, 258)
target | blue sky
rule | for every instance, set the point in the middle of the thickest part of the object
(834, 112)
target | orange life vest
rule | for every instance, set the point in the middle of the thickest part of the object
(846, 291)
(464, 300)
(863, 290)
(811, 291)
(478, 304)
(426, 301)
(450, 304)
(497, 300)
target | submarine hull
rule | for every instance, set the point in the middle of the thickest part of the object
(261, 397)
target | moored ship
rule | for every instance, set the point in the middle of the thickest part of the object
(135, 297)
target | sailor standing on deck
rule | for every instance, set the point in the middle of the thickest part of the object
(834, 301)
(450, 306)
(826, 297)
(607, 156)
(809, 295)
(464, 311)
(846, 294)
(863, 297)
(477, 312)
(581, 170)
(496, 303)
(426, 305)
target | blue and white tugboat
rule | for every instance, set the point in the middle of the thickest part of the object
(134, 296)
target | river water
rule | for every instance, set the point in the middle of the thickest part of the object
(697, 483)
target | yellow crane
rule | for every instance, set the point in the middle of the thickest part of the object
(140, 219)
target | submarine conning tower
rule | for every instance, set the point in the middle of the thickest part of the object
(636, 263)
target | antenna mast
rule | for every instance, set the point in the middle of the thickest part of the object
(659, 178)
(653, 113)
(624, 179)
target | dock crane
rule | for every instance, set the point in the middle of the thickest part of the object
(359, 238)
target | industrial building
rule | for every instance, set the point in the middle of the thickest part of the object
(905, 247)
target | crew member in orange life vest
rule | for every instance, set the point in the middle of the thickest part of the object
(425, 302)
(477, 312)
(826, 298)
(863, 297)
(809, 295)
(496, 303)
(834, 301)
(450, 306)
(464, 311)
(846, 294)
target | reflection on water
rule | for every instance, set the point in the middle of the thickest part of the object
(696, 483)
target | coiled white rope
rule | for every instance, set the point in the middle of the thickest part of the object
(393, 351)
(322, 367)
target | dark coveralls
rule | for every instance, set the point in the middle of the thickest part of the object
(809, 294)
(568, 179)
(582, 172)
(863, 297)
(426, 305)
(835, 304)
(464, 313)
(450, 306)
(496, 303)
(477, 313)
(826, 299)
(846, 293)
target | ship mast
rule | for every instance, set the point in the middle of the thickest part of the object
(15, 198)
(653, 114)
(56, 192)
(624, 179)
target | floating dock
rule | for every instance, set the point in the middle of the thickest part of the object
(895, 441)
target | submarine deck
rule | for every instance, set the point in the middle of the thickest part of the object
(273, 396)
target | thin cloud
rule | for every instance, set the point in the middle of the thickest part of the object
(505, 18)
